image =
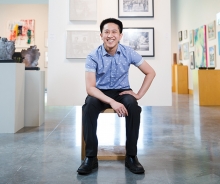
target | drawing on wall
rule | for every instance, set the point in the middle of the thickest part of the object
(218, 18)
(192, 60)
(191, 38)
(211, 30)
(200, 47)
(80, 43)
(212, 56)
(82, 10)
(140, 39)
(22, 32)
(180, 52)
(135, 8)
(185, 50)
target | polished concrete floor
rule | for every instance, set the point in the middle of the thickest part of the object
(177, 145)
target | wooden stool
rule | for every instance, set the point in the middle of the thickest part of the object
(106, 152)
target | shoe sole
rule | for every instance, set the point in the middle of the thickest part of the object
(134, 171)
(84, 172)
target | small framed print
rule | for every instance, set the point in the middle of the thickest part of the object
(212, 57)
(180, 36)
(140, 39)
(211, 30)
(135, 9)
(185, 34)
(192, 60)
(191, 38)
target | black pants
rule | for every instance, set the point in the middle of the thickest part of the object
(93, 107)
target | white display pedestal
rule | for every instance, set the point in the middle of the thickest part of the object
(11, 97)
(34, 102)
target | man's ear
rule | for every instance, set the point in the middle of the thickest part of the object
(101, 35)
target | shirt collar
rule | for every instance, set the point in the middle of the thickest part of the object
(104, 53)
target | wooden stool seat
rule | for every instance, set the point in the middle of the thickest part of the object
(106, 152)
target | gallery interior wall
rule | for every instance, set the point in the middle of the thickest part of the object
(188, 15)
(38, 12)
(66, 81)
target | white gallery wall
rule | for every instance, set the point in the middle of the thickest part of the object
(190, 15)
(66, 81)
(38, 12)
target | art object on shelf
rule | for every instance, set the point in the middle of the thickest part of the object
(46, 59)
(212, 57)
(185, 50)
(219, 43)
(211, 30)
(200, 47)
(191, 38)
(218, 19)
(22, 32)
(7, 49)
(180, 36)
(185, 34)
(174, 58)
(180, 52)
(135, 9)
(80, 43)
(83, 10)
(140, 39)
(31, 56)
(17, 57)
(192, 60)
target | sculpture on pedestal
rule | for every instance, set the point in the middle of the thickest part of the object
(31, 56)
(7, 49)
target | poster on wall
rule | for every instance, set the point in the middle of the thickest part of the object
(22, 32)
(83, 10)
(200, 47)
(80, 43)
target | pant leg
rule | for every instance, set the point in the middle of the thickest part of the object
(90, 113)
(132, 122)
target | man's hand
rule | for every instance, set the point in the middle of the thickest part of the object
(119, 108)
(130, 92)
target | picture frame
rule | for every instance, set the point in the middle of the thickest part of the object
(135, 9)
(212, 57)
(79, 43)
(180, 36)
(192, 60)
(185, 34)
(140, 39)
(218, 19)
(180, 52)
(85, 10)
(185, 51)
(191, 38)
(211, 30)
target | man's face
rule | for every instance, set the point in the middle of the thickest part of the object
(111, 36)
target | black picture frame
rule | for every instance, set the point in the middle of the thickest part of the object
(140, 39)
(141, 9)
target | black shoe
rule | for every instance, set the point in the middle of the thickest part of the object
(88, 165)
(132, 163)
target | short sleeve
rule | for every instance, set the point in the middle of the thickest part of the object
(136, 59)
(90, 65)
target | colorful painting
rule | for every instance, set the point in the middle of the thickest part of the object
(211, 30)
(22, 32)
(211, 56)
(191, 38)
(185, 50)
(200, 47)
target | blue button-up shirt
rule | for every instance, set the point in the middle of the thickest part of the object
(112, 71)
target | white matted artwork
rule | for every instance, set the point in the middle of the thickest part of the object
(80, 43)
(211, 30)
(212, 56)
(82, 10)
(185, 51)
(22, 32)
(46, 59)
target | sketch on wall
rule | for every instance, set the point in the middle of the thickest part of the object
(80, 43)
(200, 47)
(82, 10)
(22, 32)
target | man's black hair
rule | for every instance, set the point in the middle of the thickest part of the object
(112, 20)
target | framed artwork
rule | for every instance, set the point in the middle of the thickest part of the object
(135, 9)
(212, 56)
(46, 59)
(22, 32)
(185, 50)
(83, 10)
(140, 39)
(80, 43)
(211, 30)
(180, 52)
(192, 60)
(191, 38)
(200, 47)
(185, 34)
(218, 19)
(180, 36)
